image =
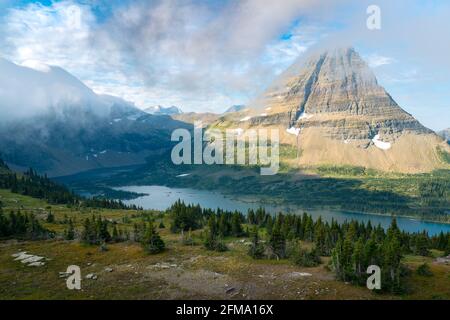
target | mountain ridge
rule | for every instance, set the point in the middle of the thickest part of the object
(235, 108)
(76, 132)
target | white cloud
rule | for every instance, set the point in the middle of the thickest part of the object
(405, 77)
(199, 55)
(206, 55)
(375, 60)
(281, 54)
(36, 65)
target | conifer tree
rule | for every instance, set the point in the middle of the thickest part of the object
(391, 268)
(69, 233)
(305, 258)
(151, 241)
(115, 234)
(213, 240)
(256, 250)
(447, 250)
(371, 251)
(277, 240)
(359, 265)
(420, 246)
(336, 259)
(236, 227)
(50, 217)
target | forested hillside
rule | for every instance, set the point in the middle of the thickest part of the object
(37, 186)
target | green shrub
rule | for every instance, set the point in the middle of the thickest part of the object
(424, 270)
(305, 258)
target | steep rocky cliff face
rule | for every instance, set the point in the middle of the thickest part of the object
(332, 108)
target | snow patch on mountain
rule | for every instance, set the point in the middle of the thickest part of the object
(304, 116)
(183, 175)
(294, 131)
(160, 110)
(381, 144)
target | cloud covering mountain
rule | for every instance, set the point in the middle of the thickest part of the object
(35, 88)
(54, 123)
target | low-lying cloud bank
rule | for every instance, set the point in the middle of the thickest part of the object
(208, 55)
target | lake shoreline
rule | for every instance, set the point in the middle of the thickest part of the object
(214, 199)
(274, 201)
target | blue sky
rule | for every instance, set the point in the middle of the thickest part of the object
(208, 55)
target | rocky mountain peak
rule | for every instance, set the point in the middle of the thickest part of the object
(339, 80)
(334, 83)
(331, 108)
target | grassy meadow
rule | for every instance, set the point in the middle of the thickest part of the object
(180, 271)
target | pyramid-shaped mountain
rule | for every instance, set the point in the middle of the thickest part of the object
(332, 109)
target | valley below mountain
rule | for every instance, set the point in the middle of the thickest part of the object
(421, 196)
(344, 141)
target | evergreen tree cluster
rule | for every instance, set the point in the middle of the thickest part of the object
(304, 258)
(434, 193)
(219, 223)
(99, 202)
(41, 187)
(36, 186)
(226, 223)
(185, 217)
(101, 231)
(145, 233)
(23, 226)
(3, 165)
(352, 245)
(192, 217)
(355, 252)
(97, 230)
(214, 235)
